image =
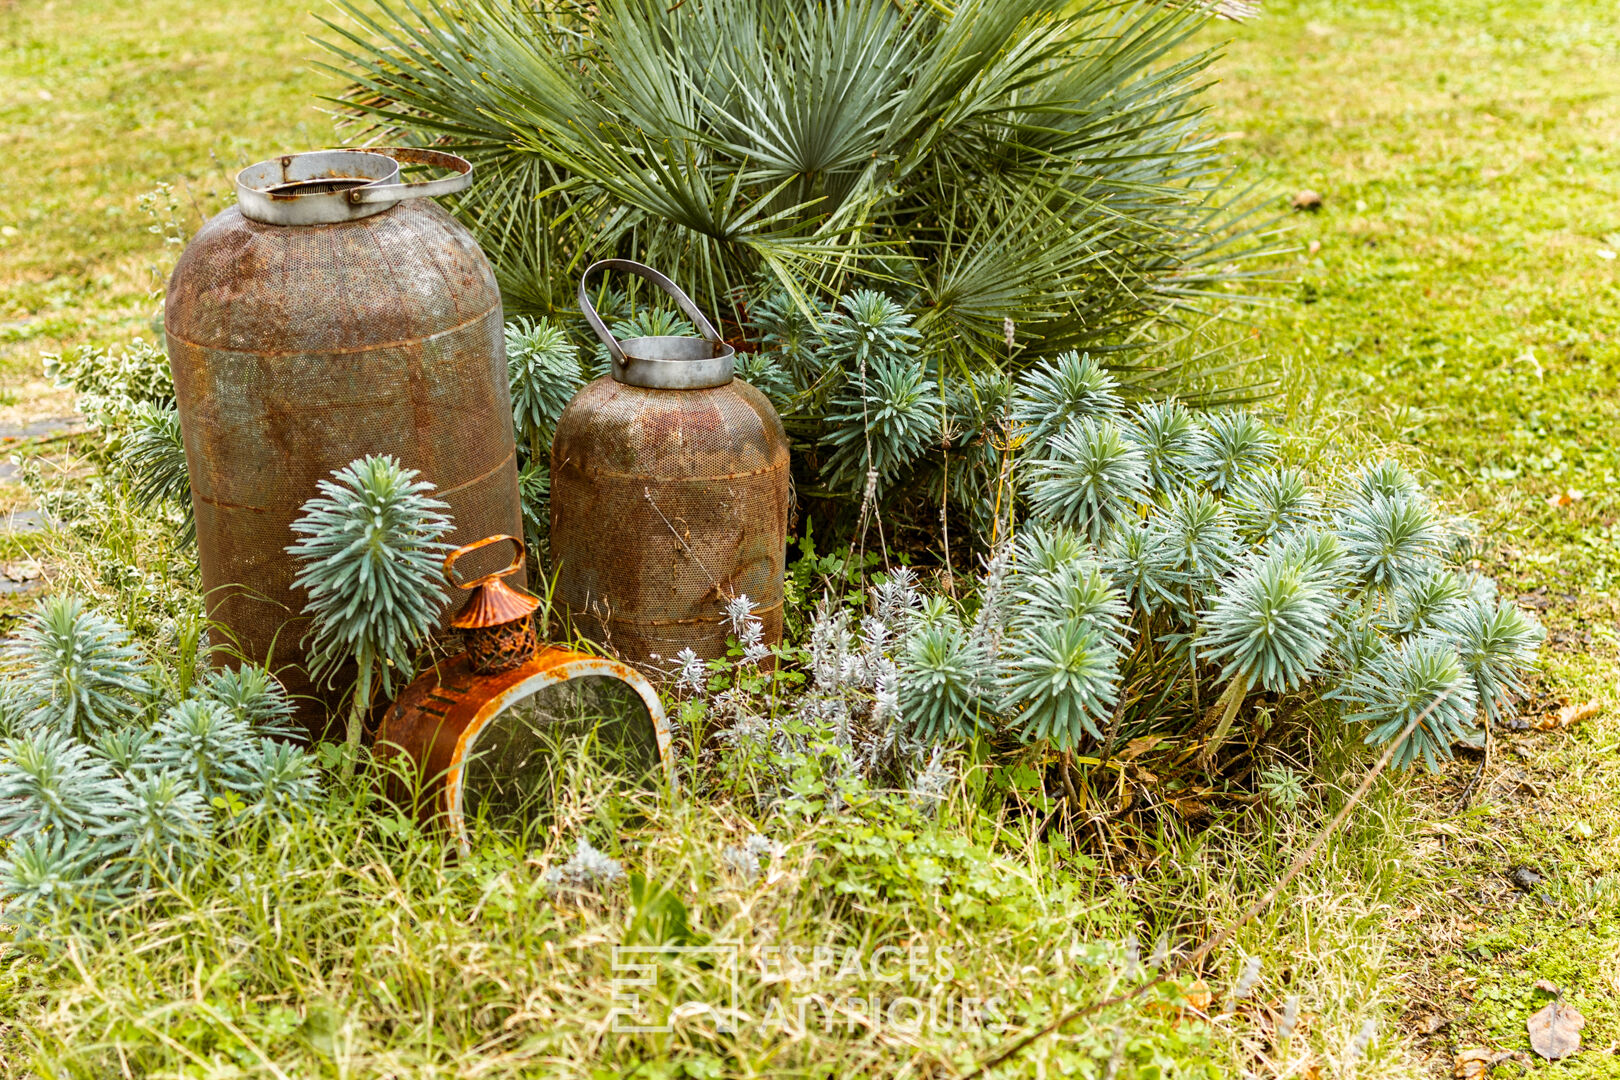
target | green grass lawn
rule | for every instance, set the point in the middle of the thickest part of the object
(1459, 294)
(100, 102)
(1453, 300)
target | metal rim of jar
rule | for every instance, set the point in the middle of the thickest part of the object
(326, 187)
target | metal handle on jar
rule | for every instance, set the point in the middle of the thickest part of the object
(408, 155)
(450, 561)
(640, 270)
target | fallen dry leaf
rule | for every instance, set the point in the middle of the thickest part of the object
(1569, 714)
(1477, 1064)
(1543, 984)
(1137, 747)
(1555, 1032)
(1198, 995)
(22, 571)
(1307, 200)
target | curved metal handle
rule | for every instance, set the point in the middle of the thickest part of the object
(640, 270)
(409, 155)
(450, 561)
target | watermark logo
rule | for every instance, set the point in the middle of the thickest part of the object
(656, 985)
(794, 989)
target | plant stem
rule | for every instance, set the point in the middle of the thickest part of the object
(357, 712)
(1227, 705)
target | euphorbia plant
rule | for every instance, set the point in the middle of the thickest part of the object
(370, 549)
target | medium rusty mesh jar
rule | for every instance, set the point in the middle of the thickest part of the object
(669, 494)
(333, 313)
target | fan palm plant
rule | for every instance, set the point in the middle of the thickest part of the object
(1030, 160)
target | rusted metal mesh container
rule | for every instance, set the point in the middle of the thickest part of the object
(332, 314)
(669, 494)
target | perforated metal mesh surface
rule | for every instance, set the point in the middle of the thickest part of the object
(296, 350)
(516, 765)
(664, 505)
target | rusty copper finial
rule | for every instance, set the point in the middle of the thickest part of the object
(497, 621)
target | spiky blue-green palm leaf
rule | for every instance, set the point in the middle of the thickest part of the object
(255, 697)
(1423, 601)
(1271, 625)
(154, 456)
(1274, 501)
(1385, 477)
(1051, 394)
(278, 782)
(1077, 591)
(160, 823)
(1061, 680)
(51, 783)
(52, 874)
(942, 683)
(79, 669)
(1498, 643)
(1235, 444)
(1399, 684)
(1198, 530)
(369, 552)
(1144, 565)
(1170, 440)
(884, 428)
(542, 365)
(1090, 478)
(1007, 160)
(200, 741)
(1390, 540)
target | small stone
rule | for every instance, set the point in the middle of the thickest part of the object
(1307, 200)
(1525, 879)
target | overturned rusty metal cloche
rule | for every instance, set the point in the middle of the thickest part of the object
(490, 731)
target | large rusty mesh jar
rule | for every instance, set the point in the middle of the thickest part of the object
(331, 314)
(669, 494)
